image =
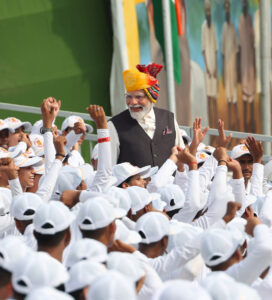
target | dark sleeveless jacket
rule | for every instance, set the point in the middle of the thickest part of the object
(137, 147)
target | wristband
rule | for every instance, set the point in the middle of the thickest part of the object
(223, 161)
(59, 154)
(103, 140)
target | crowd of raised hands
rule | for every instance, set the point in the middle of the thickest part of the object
(198, 227)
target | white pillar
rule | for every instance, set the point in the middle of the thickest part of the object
(169, 55)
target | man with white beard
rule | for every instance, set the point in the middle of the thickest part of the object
(143, 135)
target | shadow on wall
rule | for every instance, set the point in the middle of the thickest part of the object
(85, 27)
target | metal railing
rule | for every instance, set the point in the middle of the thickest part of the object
(93, 137)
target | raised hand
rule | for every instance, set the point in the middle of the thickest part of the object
(97, 113)
(223, 141)
(199, 135)
(234, 166)
(7, 165)
(80, 128)
(255, 148)
(220, 154)
(50, 108)
(232, 208)
(60, 142)
(185, 156)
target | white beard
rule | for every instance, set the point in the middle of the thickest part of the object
(141, 114)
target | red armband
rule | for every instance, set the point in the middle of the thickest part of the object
(103, 140)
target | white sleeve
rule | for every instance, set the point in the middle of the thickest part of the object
(257, 178)
(115, 144)
(268, 169)
(72, 138)
(47, 186)
(75, 159)
(257, 260)
(151, 284)
(179, 141)
(174, 260)
(162, 177)
(266, 210)
(181, 179)
(218, 203)
(15, 187)
(192, 199)
(49, 150)
(239, 192)
(206, 172)
(104, 168)
(19, 148)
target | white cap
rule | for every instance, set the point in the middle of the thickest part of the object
(122, 195)
(86, 249)
(4, 125)
(24, 206)
(70, 122)
(38, 270)
(153, 226)
(237, 227)
(200, 147)
(140, 197)
(39, 170)
(201, 156)
(239, 151)
(112, 285)
(82, 274)
(97, 213)
(181, 290)
(223, 287)
(69, 179)
(218, 244)
(173, 196)
(37, 144)
(151, 172)
(24, 160)
(157, 203)
(125, 170)
(30, 152)
(47, 293)
(86, 171)
(188, 234)
(208, 149)
(54, 214)
(127, 264)
(126, 235)
(15, 123)
(94, 154)
(9, 254)
(185, 136)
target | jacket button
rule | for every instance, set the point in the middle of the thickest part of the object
(155, 155)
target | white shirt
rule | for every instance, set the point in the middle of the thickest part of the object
(148, 123)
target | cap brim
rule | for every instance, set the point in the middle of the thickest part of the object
(27, 126)
(35, 161)
(240, 155)
(152, 172)
(143, 171)
(89, 128)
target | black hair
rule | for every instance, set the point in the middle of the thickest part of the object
(93, 234)
(171, 213)
(126, 181)
(49, 240)
(5, 277)
(77, 295)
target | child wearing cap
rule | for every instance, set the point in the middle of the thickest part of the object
(52, 223)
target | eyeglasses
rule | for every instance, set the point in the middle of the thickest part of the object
(137, 97)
